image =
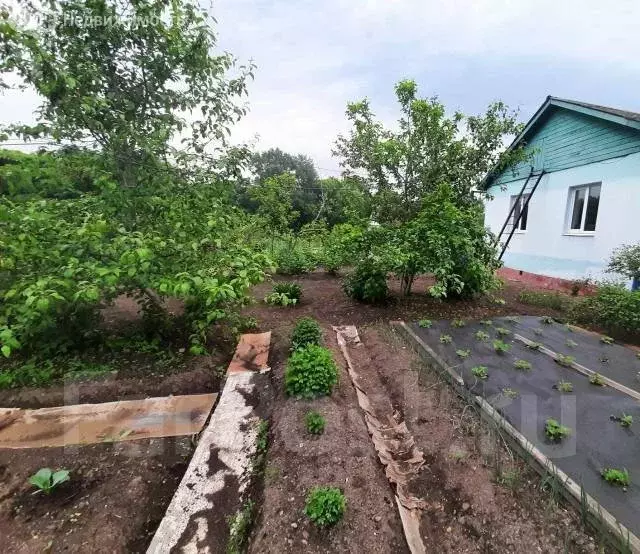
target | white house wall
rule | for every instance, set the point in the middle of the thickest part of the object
(545, 247)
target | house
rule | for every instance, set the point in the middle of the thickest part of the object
(577, 197)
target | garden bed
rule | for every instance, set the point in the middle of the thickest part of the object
(527, 398)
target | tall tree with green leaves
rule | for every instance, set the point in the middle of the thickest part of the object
(135, 76)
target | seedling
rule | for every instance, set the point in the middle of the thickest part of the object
(624, 420)
(45, 480)
(464, 354)
(563, 386)
(618, 477)
(606, 340)
(537, 331)
(480, 372)
(512, 319)
(486, 322)
(325, 506)
(555, 431)
(425, 323)
(314, 422)
(501, 347)
(445, 339)
(565, 361)
(596, 379)
(571, 343)
(522, 365)
(481, 335)
(502, 331)
(546, 320)
(510, 393)
(458, 323)
(534, 345)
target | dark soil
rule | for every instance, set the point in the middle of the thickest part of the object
(116, 497)
(468, 510)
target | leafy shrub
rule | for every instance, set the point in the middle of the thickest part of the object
(293, 261)
(553, 300)
(501, 347)
(625, 260)
(618, 477)
(46, 480)
(368, 283)
(341, 247)
(310, 372)
(480, 372)
(522, 365)
(307, 331)
(555, 431)
(284, 294)
(314, 423)
(611, 307)
(325, 506)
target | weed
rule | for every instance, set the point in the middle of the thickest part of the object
(502, 332)
(548, 320)
(464, 354)
(596, 379)
(310, 372)
(571, 343)
(522, 365)
(481, 335)
(307, 331)
(555, 431)
(46, 480)
(480, 372)
(565, 361)
(606, 340)
(510, 393)
(501, 347)
(314, 422)
(563, 386)
(425, 323)
(445, 339)
(458, 323)
(325, 506)
(618, 477)
(534, 345)
(554, 301)
(239, 526)
(486, 322)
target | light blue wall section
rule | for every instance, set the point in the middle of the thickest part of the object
(563, 139)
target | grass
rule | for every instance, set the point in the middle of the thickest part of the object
(619, 477)
(552, 300)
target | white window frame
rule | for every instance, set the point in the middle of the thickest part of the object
(570, 204)
(512, 200)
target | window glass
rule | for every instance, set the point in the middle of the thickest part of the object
(592, 208)
(525, 213)
(578, 205)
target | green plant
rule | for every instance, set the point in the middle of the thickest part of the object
(292, 290)
(46, 480)
(626, 420)
(596, 379)
(564, 386)
(618, 477)
(279, 299)
(480, 372)
(445, 339)
(555, 431)
(481, 335)
(571, 343)
(606, 340)
(325, 506)
(510, 393)
(458, 323)
(625, 260)
(486, 322)
(548, 320)
(510, 478)
(555, 301)
(501, 347)
(292, 261)
(464, 354)
(564, 360)
(425, 323)
(307, 331)
(534, 345)
(311, 371)
(612, 307)
(523, 365)
(502, 332)
(314, 422)
(368, 282)
(239, 527)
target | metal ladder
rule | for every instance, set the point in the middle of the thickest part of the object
(511, 223)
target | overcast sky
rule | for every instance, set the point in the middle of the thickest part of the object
(315, 56)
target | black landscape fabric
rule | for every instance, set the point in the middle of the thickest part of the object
(597, 441)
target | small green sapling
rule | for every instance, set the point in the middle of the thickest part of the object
(563, 386)
(501, 347)
(464, 354)
(46, 480)
(555, 431)
(481, 335)
(596, 379)
(619, 477)
(425, 323)
(522, 365)
(480, 372)
(445, 339)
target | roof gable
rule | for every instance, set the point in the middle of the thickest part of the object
(565, 133)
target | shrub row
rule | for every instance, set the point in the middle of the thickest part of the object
(553, 300)
(613, 307)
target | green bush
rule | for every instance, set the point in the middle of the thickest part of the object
(310, 372)
(368, 283)
(553, 300)
(292, 290)
(325, 506)
(612, 307)
(293, 261)
(307, 331)
(314, 423)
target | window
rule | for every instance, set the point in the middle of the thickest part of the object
(521, 208)
(583, 208)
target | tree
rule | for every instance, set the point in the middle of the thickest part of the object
(428, 149)
(273, 197)
(132, 75)
(625, 260)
